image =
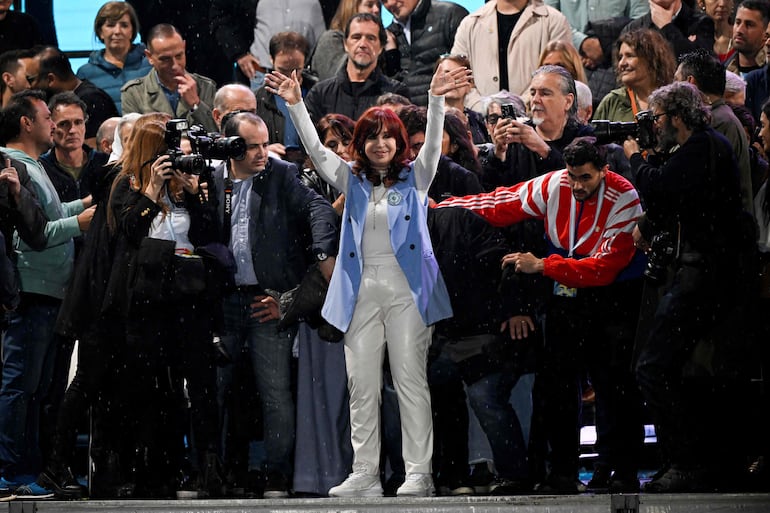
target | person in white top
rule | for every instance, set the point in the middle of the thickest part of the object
(386, 289)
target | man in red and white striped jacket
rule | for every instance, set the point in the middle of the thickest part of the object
(603, 206)
(589, 213)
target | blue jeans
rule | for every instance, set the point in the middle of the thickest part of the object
(489, 399)
(270, 353)
(29, 353)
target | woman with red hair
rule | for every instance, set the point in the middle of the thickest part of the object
(386, 290)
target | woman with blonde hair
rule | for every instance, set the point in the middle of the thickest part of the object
(329, 53)
(562, 53)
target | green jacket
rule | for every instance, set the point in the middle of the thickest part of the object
(616, 106)
(144, 95)
(47, 272)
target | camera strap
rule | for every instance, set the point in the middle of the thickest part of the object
(228, 211)
(634, 105)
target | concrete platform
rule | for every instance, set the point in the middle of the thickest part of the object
(632, 503)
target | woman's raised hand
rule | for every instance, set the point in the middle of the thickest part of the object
(445, 81)
(285, 87)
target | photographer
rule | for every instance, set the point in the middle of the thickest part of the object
(158, 288)
(694, 197)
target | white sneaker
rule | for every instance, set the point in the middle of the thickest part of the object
(417, 485)
(360, 483)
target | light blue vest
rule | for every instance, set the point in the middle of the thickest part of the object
(411, 244)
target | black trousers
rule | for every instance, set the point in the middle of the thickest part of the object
(696, 413)
(592, 332)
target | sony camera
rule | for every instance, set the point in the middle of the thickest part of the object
(205, 145)
(662, 253)
(618, 131)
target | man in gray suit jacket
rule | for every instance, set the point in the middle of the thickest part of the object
(169, 87)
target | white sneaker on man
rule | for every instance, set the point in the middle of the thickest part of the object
(361, 483)
(417, 485)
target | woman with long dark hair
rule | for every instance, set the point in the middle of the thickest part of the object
(386, 290)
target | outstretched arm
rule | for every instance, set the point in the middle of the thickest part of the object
(427, 159)
(329, 165)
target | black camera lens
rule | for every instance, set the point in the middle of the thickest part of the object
(189, 164)
(227, 148)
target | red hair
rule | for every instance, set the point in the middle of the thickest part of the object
(373, 121)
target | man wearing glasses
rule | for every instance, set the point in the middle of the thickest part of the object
(288, 52)
(694, 216)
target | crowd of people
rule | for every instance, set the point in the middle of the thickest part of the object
(304, 254)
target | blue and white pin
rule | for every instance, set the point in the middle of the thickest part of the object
(394, 198)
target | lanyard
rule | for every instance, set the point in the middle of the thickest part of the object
(575, 220)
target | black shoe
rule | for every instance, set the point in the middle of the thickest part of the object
(675, 480)
(555, 484)
(624, 482)
(600, 481)
(63, 483)
(393, 483)
(481, 478)
(455, 487)
(503, 486)
(6, 494)
(276, 486)
(211, 480)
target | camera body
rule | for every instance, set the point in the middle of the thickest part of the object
(618, 131)
(204, 146)
(661, 254)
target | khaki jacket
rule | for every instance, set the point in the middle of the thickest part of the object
(144, 95)
(477, 38)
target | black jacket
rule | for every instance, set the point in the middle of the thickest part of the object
(453, 180)
(468, 251)
(26, 216)
(133, 213)
(698, 189)
(689, 23)
(433, 26)
(522, 164)
(93, 266)
(336, 95)
(66, 185)
(283, 211)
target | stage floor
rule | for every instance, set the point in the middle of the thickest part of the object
(585, 503)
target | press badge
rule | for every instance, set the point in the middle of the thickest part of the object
(563, 290)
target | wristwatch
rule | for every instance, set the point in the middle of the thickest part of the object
(321, 256)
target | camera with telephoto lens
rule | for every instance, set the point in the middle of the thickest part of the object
(618, 131)
(205, 145)
(193, 164)
(213, 145)
(661, 254)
